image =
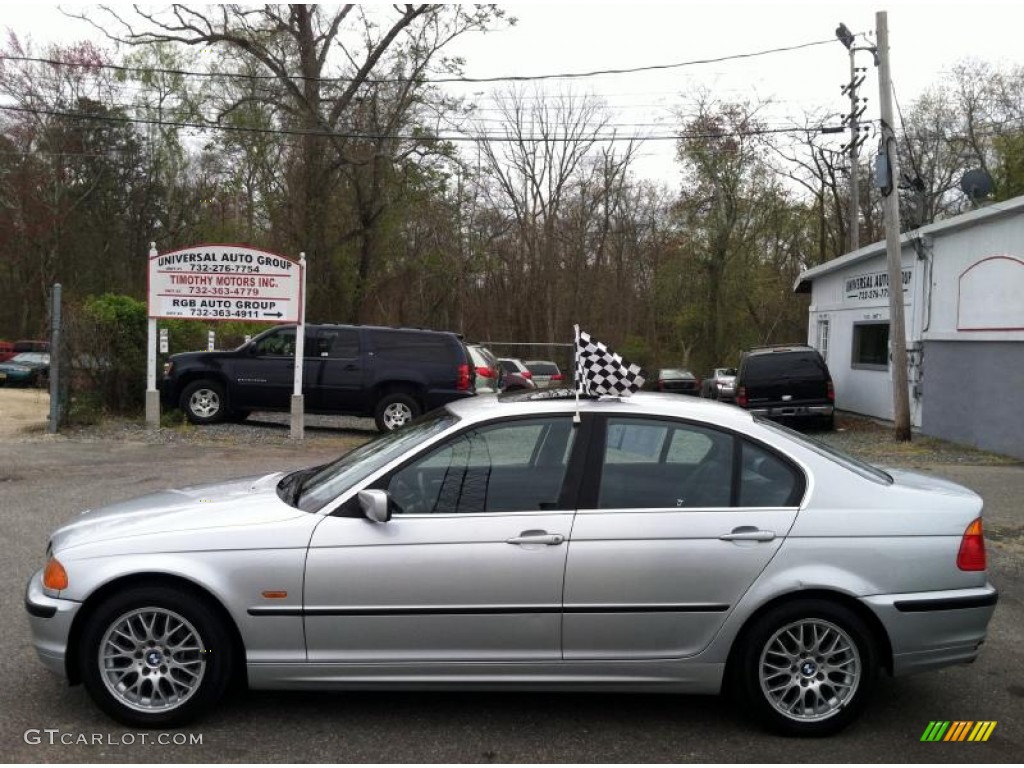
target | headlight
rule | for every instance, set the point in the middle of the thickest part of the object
(168, 368)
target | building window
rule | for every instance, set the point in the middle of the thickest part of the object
(871, 346)
(823, 328)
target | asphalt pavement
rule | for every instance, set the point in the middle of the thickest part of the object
(44, 481)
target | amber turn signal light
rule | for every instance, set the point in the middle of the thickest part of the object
(54, 576)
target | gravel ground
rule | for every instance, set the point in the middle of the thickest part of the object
(23, 417)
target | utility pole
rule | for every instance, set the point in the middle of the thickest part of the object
(887, 180)
(847, 38)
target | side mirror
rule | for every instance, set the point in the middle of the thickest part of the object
(375, 505)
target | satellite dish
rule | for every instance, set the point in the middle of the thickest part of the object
(976, 184)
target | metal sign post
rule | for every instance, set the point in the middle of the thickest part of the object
(298, 426)
(55, 366)
(152, 395)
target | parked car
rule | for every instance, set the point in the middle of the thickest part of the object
(677, 381)
(515, 365)
(788, 383)
(392, 374)
(659, 544)
(514, 382)
(720, 384)
(546, 374)
(488, 372)
(26, 369)
(6, 350)
(31, 345)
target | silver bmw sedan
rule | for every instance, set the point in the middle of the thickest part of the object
(650, 543)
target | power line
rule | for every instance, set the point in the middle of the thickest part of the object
(395, 136)
(425, 80)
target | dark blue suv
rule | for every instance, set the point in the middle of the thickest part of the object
(392, 374)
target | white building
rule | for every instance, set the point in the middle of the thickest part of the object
(963, 290)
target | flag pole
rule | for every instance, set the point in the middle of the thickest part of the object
(576, 367)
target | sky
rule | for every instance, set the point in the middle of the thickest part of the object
(926, 40)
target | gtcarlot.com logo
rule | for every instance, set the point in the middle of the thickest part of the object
(958, 730)
(56, 737)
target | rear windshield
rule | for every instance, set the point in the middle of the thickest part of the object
(542, 369)
(862, 468)
(772, 366)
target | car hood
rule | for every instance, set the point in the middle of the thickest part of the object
(242, 502)
(20, 367)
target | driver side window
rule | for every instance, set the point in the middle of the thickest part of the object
(511, 467)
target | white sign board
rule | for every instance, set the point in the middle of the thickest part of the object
(873, 286)
(225, 282)
(164, 343)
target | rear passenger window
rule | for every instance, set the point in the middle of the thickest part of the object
(412, 347)
(655, 464)
(338, 343)
(766, 480)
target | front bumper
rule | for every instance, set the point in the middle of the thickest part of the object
(929, 630)
(50, 619)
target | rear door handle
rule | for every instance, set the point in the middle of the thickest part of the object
(747, 533)
(537, 537)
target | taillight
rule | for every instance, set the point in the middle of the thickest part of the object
(526, 374)
(830, 391)
(696, 383)
(971, 556)
(741, 397)
(487, 373)
(661, 385)
(556, 377)
(462, 382)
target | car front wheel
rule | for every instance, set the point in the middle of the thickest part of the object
(806, 668)
(394, 410)
(203, 402)
(155, 657)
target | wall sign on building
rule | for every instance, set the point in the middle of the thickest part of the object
(224, 282)
(873, 286)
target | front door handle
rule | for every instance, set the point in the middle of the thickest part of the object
(537, 537)
(747, 533)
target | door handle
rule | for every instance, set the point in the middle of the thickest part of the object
(537, 537)
(747, 533)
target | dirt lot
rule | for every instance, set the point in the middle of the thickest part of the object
(23, 412)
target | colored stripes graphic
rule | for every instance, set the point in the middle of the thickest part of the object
(958, 730)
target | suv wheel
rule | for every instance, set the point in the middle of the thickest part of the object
(806, 668)
(203, 402)
(394, 410)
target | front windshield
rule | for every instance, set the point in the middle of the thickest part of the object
(823, 449)
(326, 483)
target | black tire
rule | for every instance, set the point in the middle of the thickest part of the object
(152, 685)
(394, 410)
(773, 693)
(203, 402)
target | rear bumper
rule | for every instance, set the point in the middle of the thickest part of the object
(929, 630)
(793, 411)
(50, 620)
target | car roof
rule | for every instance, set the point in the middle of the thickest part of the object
(548, 401)
(541, 362)
(779, 348)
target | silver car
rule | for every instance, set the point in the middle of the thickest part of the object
(656, 543)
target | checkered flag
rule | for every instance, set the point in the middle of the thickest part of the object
(599, 371)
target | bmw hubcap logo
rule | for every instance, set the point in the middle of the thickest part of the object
(808, 669)
(153, 658)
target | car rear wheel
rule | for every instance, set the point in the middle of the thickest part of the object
(203, 402)
(806, 668)
(394, 410)
(155, 657)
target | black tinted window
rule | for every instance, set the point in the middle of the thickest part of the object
(338, 342)
(778, 365)
(411, 346)
(282, 342)
(542, 369)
